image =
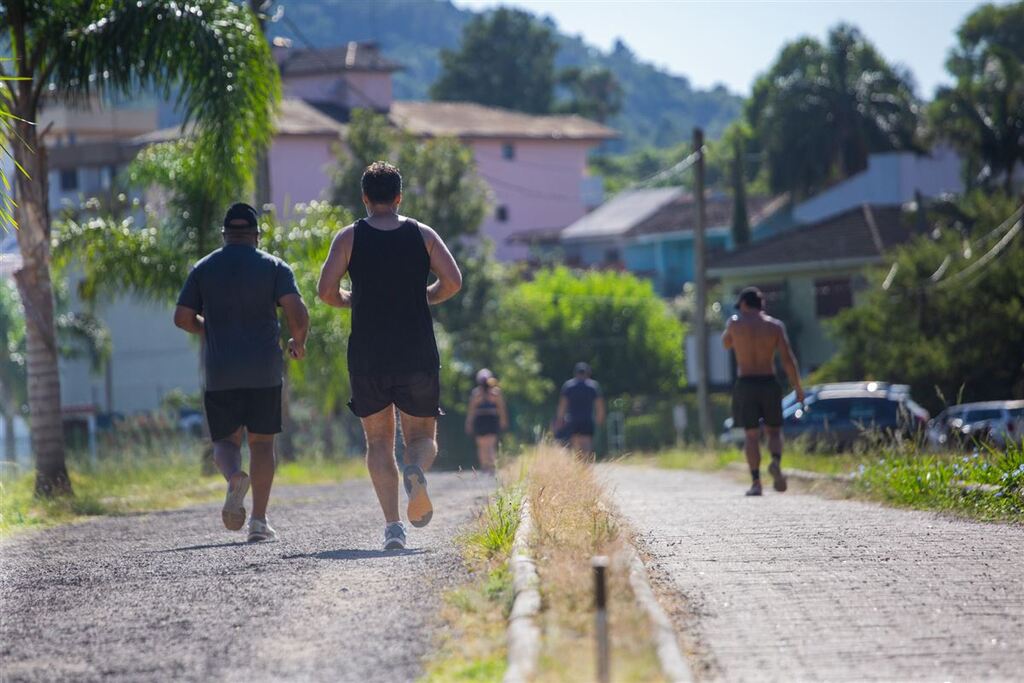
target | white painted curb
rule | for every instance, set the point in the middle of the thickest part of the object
(523, 635)
(673, 663)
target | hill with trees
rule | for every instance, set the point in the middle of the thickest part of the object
(658, 108)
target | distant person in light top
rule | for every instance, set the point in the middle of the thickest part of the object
(230, 300)
(756, 337)
(581, 410)
(486, 418)
(392, 355)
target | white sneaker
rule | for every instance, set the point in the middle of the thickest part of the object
(233, 512)
(261, 531)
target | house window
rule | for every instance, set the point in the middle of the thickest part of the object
(501, 213)
(612, 256)
(69, 180)
(832, 296)
(508, 151)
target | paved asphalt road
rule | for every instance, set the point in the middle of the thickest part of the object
(794, 587)
(172, 596)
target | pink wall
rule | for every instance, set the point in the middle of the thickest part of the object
(369, 89)
(540, 187)
(356, 89)
(300, 169)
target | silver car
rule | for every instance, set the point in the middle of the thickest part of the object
(997, 422)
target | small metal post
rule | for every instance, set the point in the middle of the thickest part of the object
(600, 565)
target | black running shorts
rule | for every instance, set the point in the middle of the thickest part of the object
(756, 398)
(258, 410)
(417, 394)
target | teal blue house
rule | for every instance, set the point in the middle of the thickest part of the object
(649, 232)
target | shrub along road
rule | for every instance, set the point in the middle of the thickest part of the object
(173, 596)
(799, 587)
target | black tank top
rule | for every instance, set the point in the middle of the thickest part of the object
(392, 330)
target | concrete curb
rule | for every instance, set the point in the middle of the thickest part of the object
(673, 662)
(523, 635)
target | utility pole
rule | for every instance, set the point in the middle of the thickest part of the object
(259, 9)
(700, 280)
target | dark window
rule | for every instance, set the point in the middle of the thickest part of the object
(501, 213)
(508, 151)
(69, 180)
(612, 256)
(832, 296)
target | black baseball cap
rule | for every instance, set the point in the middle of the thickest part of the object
(238, 213)
(581, 368)
(751, 296)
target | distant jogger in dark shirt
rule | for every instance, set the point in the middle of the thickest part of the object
(230, 299)
(580, 409)
(392, 355)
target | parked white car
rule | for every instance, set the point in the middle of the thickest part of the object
(998, 422)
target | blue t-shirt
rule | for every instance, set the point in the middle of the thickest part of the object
(581, 395)
(237, 289)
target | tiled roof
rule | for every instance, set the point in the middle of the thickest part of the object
(350, 57)
(658, 211)
(294, 117)
(864, 232)
(470, 120)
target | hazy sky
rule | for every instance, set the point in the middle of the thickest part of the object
(731, 42)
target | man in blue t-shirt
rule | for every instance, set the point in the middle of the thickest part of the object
(580, 410)
(230, 300)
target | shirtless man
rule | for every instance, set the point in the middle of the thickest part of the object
(392, 354)
(755, 337)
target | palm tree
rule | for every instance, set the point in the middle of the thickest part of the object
(212, 51)
(983, 113)
(822, 109)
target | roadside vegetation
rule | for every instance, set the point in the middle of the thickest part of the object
(154, 477)
(982, 483)
(572, 523)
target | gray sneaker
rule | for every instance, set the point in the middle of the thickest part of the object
(259, 530)
(394, 536)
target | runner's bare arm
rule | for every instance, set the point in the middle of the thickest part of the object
(188, 320)
(329, 287)
(563, 408)
(474, 398)
(297, 315)
(599, 410)
(727, 335)
(442, 264)
(499, 399)
(789, 360)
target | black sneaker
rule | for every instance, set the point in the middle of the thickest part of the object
(755, 489)
(778, 478)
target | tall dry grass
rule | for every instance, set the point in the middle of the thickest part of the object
(572, 523)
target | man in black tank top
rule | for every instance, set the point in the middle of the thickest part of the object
(392, 354)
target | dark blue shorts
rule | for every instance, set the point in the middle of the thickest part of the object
(258, 410)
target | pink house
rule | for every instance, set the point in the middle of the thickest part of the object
(534, 165)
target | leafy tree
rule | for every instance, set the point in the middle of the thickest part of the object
(78, 335)
(614, 321)
(953, 315)
(983, 113)
(210, 50)
(594, 93)
(434, 173)
(506, 59)
(821, 109)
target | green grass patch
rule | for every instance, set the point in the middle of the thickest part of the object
(897, 474)
(472, 644)
(130, 480)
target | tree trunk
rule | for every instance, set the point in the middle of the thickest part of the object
(36, 290)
